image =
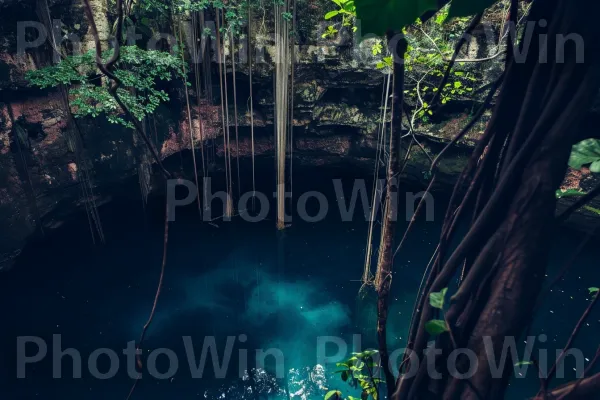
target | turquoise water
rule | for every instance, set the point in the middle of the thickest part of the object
(238, 282)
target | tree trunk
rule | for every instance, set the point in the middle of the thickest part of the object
(512, 181)
(385, 261)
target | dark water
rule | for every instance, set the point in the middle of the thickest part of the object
(241, 282)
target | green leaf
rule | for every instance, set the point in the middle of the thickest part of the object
(331, 14)
(569, 193)
(594, 290)
(585, 152)
(436, 299)
(464, 8)
(436, 326)
(333, 395)
(441, 17)
(592, 209)
(377, 48)
(595, 166)
(521, 363)
(379, 16)
(350, 7)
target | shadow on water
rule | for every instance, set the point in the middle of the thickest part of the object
(241, 283)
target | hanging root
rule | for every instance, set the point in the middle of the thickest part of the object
(281, 104)
(433, 168)
(235, 114)
(383, 276)
(107, 70)
(75, 139)
(291, 95)
(510, 182)
(250, 55)
(198, 56)
(546, 381)
(367, 277)
(189, 118)
(224, 115)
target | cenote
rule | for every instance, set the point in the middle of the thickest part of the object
(414, 186)
(239, 282)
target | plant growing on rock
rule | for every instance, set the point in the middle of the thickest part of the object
(586, 152)
(347, 10)
(430, 45)
(138, 69)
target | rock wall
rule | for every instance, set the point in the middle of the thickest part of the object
(337, 100)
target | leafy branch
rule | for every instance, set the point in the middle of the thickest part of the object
(359, 372)
(137, 69)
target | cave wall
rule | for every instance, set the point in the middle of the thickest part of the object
(337, 97)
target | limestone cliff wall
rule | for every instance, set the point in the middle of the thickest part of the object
(337, 105)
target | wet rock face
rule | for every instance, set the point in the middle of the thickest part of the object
(337, 105)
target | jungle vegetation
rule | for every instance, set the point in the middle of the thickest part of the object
(505, 198)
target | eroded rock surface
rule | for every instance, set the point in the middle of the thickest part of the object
(337, 105)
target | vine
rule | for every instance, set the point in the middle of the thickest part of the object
(430, 46)
(137, 69)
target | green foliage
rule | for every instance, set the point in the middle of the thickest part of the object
(346, 9)
(137, 69)
(592, 209)
(576, 193)
(377, 48)
(385, 62)
(430, 44)
(333, 395)
(330, 32)
(436, 299)
(332, 14)
(357, 371)
(436, 327)
(594, 290)
(441, 16)
(182, 6)
(521, 363)
(464, 8)
(64, 73)
(153, 5)
(584, 153)
(568, 193)
(380, 16)
(235, 11)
